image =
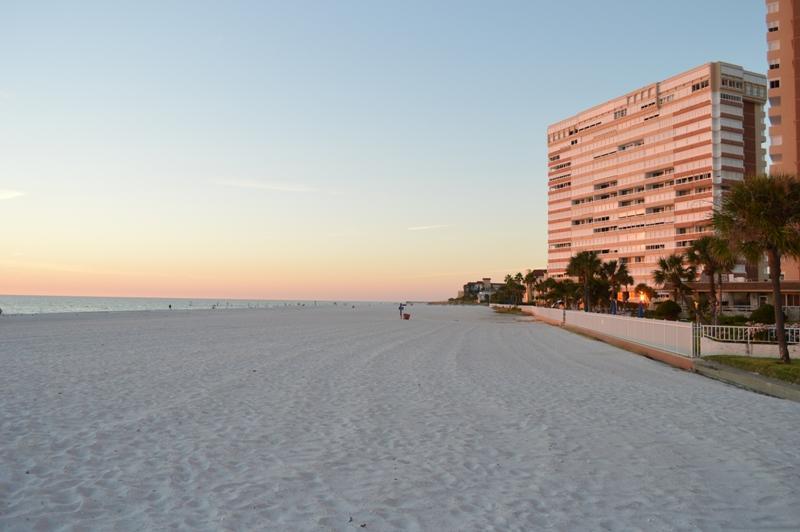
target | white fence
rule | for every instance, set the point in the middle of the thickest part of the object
(674, 337)
(554, 314)
(749, 334)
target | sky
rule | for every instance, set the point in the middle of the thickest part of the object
(309, 149)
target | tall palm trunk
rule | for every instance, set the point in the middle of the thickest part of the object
(774, 258)
(586, 293)
(712, 295)
(719, 298)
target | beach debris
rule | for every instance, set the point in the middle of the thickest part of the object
(351, 519)
(363, 525)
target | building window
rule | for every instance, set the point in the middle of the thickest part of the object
(607, 184)
(702, 85)
(774, 83)
(772, 26)
(638, 259)
(774, 66)
(775, 120)
(777, 140)
(773, 45)
(775, 101)
(620, 114)
(573, 142)
(731, 83)
(772, 7)
(630, 145)
(658, 173)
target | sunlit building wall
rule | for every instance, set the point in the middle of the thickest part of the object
(636, 178)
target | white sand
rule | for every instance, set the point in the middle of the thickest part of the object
(294, 419)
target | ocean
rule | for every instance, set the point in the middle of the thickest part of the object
(52, 304)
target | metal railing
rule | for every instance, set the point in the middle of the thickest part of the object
(752, 334)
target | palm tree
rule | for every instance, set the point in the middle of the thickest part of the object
(564, 290)
(585, 265)
(547, 288)
(710, 254)
(529, 280)
(647, 291)
(671, 270)
(514, 287)
(761, 216)
(727, 261)
(518, 279)
(616, 274)
(539, 289)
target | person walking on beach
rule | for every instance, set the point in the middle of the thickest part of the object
(402, 308)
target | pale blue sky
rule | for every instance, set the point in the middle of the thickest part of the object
(283, 134)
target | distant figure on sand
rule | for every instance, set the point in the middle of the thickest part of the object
(402, 307)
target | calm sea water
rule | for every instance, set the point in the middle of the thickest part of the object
(50, 304)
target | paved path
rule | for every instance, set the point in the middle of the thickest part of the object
(303, 419)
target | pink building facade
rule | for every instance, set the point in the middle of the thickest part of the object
(637, 178)
(783, 30)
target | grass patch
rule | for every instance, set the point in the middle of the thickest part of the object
(769, 367)
(509, 310)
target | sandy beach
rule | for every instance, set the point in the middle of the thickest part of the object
(350, 419)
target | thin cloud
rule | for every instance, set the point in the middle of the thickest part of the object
(427, 227)
(272, 187)
(10, 194)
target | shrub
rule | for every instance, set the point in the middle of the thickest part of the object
(668, 310)
(736, 319)
(764, 314)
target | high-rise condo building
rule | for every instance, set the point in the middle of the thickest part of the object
(783, 74)
(783, 30)
(636, 178)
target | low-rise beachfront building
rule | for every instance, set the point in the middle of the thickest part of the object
(637, 177)
(743, 297)
(480, 290)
